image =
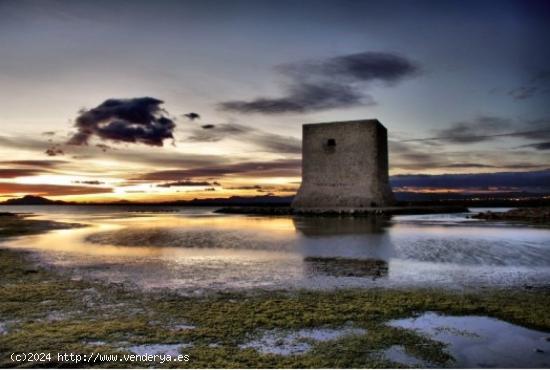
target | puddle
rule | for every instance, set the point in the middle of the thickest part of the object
(478, 341)
(158, 349)
(286, 343)
(399, 355)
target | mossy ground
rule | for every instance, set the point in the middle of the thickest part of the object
(45, 311)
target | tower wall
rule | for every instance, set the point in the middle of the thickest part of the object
(344, 166)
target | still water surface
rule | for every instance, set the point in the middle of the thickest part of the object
(194, 249)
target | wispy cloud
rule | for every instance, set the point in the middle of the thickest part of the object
(538, 146)
(41, 163)
(422, 156)
(182, 183)
(337, 82)
(12, 173)
(286, 167)
(537, 85)
(266, 141)
(50, 190)
(489, 128)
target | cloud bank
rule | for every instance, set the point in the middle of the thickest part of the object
(509, 180)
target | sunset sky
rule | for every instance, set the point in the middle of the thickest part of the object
(96, 96)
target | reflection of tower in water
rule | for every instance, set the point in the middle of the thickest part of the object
(345, 246)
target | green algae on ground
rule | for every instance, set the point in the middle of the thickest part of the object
(47, 311)
(115, 317)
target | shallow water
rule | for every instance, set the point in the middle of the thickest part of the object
(478, 341)
(194, 249)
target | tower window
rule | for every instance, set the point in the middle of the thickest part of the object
(331, 142)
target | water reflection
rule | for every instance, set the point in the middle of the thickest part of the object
(202, 250)
(364, 238)
(330, 226)
(345, 246)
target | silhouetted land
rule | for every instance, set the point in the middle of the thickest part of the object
(404, 199)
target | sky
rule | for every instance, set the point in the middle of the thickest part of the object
(163, 100)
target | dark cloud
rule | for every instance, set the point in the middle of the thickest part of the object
(89, 182)
(213, 133)
(103, 147)
(11, 173)
(54, 150)
(244, 187)
(283, 167)
(539, 146)
(303, 98)
(468, 165)
(263, 188)
(520, 180)
(184, 183)
(332, 83)
(365, 66)
(138, 120)
(50, 190)
(192, 116)
(264, 140)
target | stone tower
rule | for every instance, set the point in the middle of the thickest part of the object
(344, 167)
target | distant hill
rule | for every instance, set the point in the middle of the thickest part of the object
(511, 199)
(32, 200)
(270, 200)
